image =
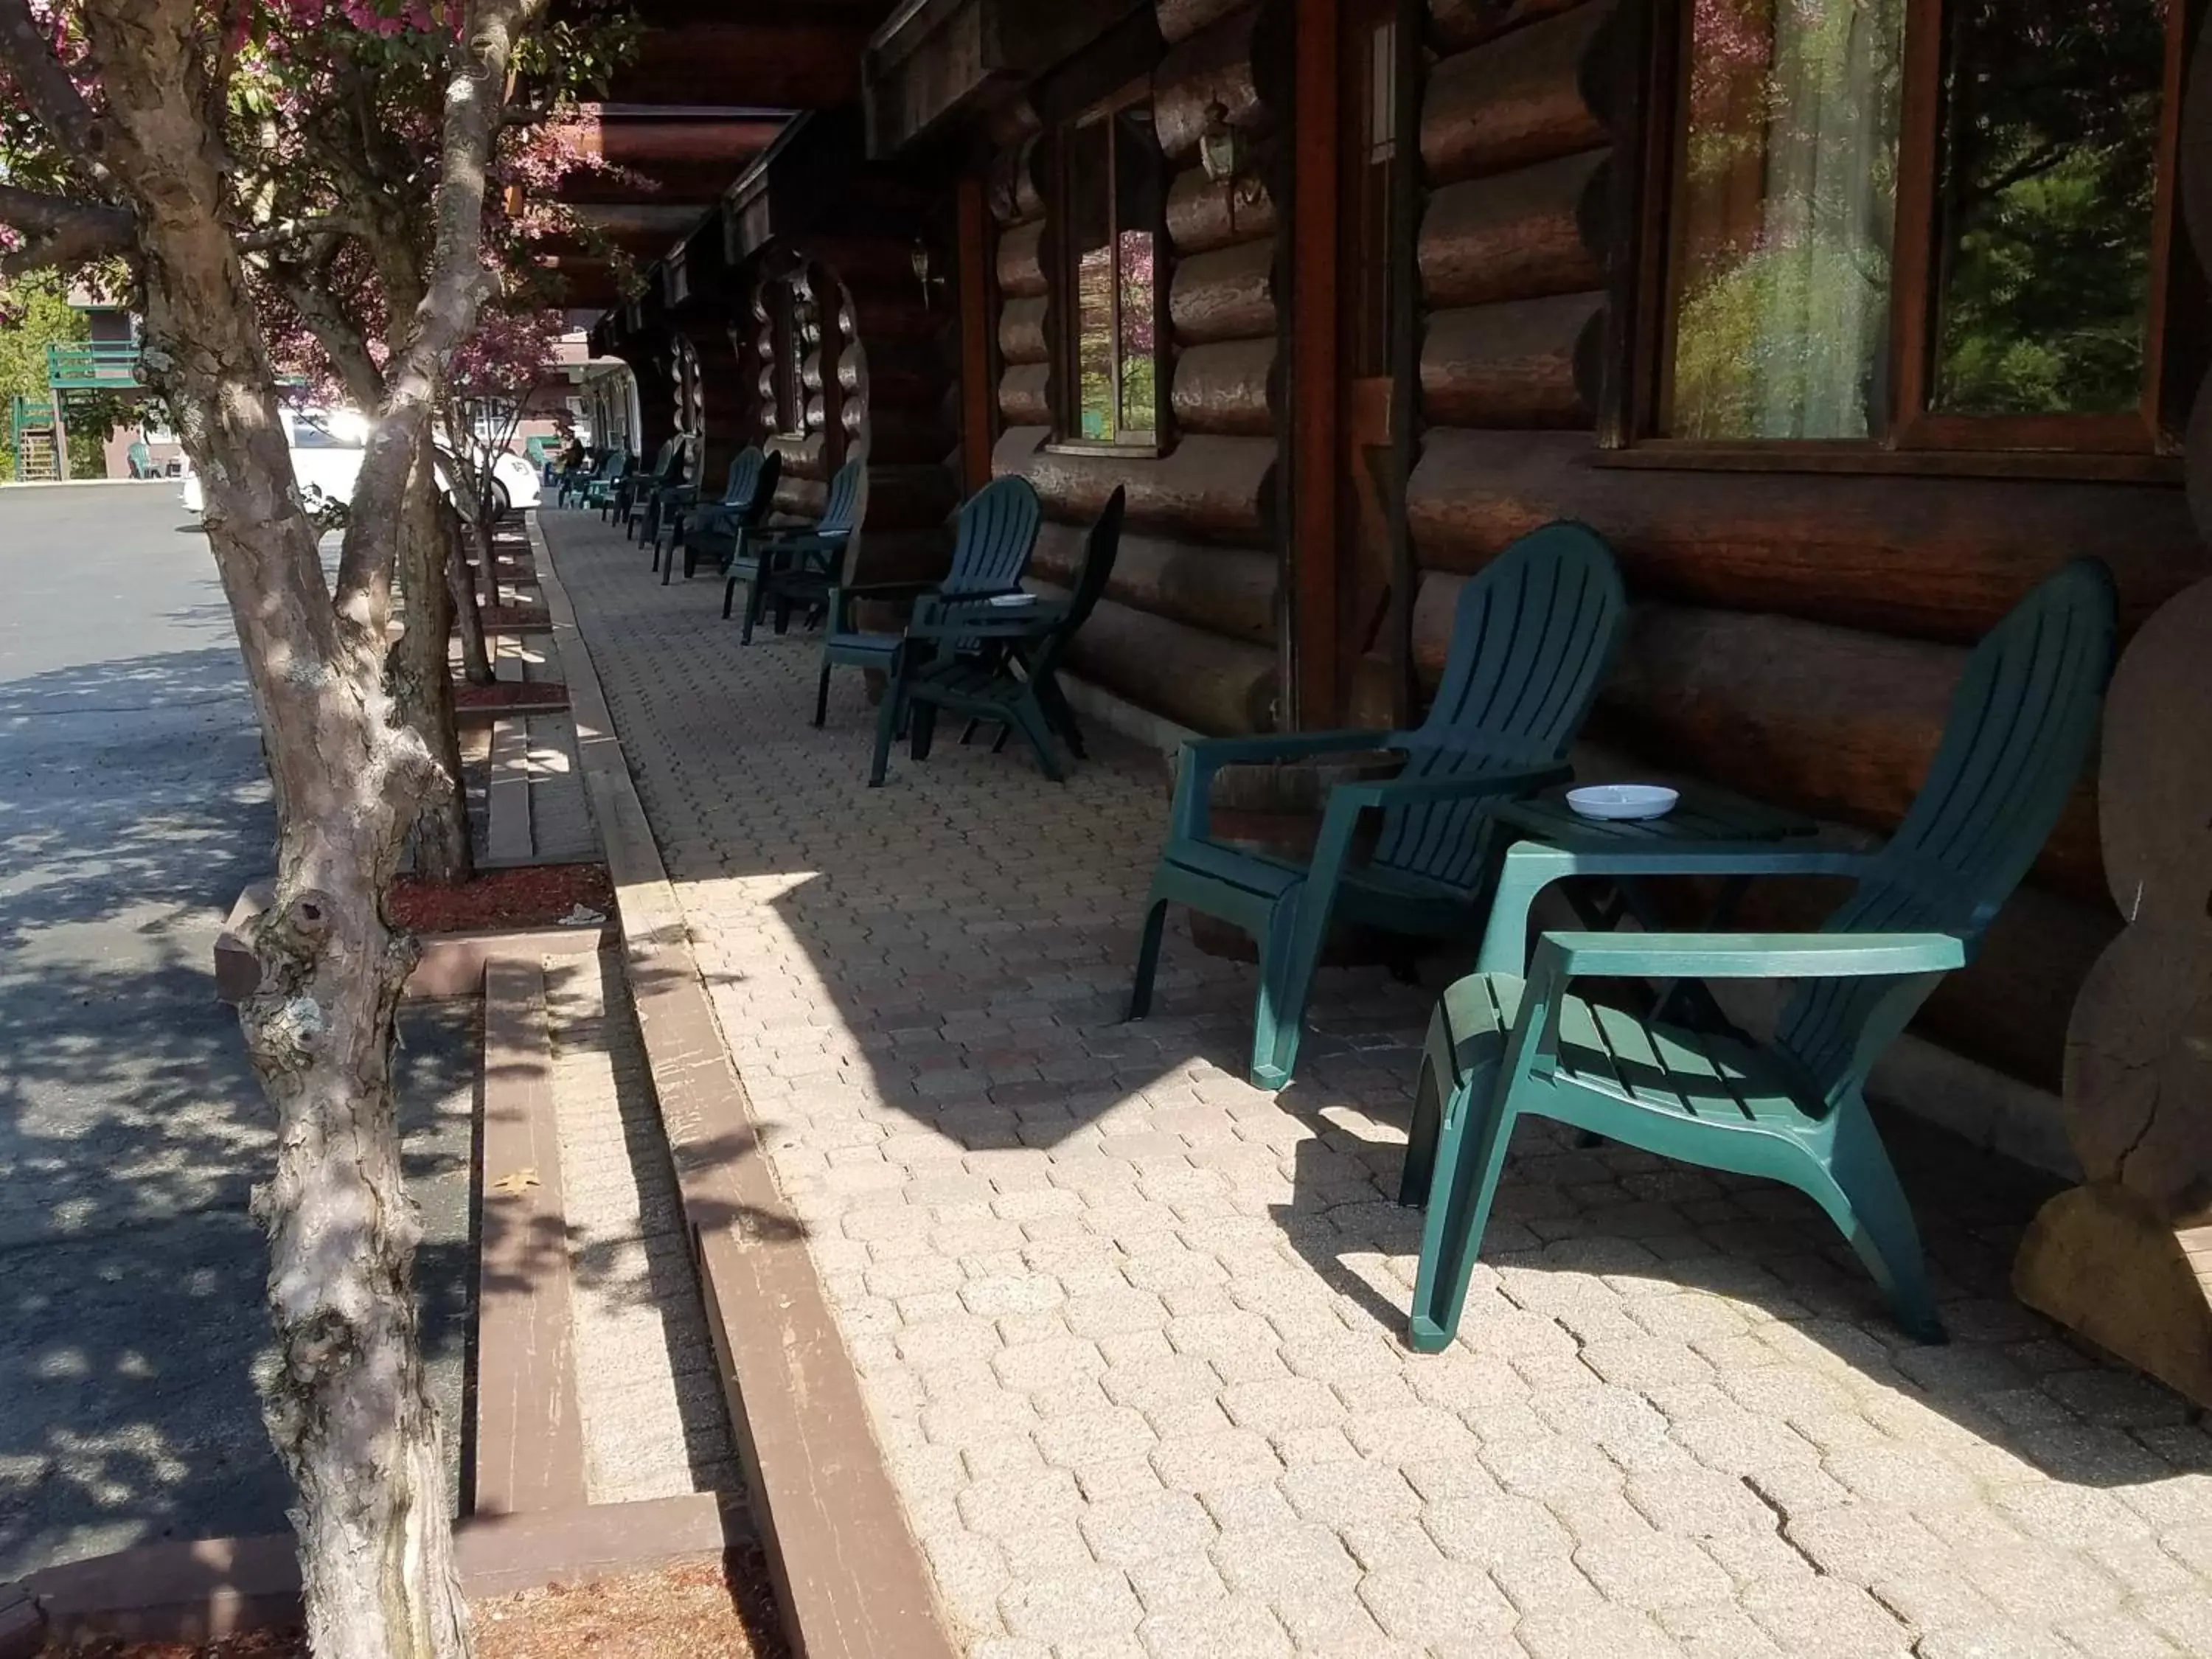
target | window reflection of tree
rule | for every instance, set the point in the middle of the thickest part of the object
(2049, 188)
(1112, 202)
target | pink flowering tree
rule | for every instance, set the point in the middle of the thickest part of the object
(216, 147)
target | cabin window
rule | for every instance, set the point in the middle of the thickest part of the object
(791, 335)
(1112, 201)
(1917, 224)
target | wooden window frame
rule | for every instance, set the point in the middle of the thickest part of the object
(786, 336)
(1066, 345)
(2143, 444)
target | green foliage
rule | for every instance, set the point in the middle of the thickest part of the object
(41, 315)
(2050, 187)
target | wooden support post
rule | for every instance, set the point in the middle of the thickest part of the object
(978, 384)
(61, 441)
(1313, 556)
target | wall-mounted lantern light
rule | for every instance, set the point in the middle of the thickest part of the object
(1225, 156)
(924, 273)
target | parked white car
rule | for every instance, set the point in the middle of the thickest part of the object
(327, 445)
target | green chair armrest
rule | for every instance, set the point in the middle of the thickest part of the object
(1531, 866)
(974, 616)
(1423, 792)
(1751, 956)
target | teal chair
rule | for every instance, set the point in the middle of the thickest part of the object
(1505, 1044)
(998, 666)
(652, 496)
(1532, 637)
(746, 493)
(762, 558)
(996, 532)
(609, 488)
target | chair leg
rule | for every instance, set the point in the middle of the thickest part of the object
(1148, 957)
(821, 691)
(1274, 1027)
(1419, 1172)
(1032, 720)
(888, 713)
(998, 742)
(1477, 1125)
(729, 597)
(1866, 1202)
(756, 604)
(922, 718)
(665, 565)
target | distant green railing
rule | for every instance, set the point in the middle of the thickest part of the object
(92, 366)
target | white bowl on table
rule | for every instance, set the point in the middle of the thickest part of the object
(1622, 801)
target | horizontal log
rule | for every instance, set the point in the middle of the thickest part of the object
(1021, 332)
(1203, 215)
(1208, 488)
(1518, 363)
(1025, 395)
(909, 497)
(1831, 721)
(1227, 294)
(907, 374)
(901, 437)
(1013, 188)
(798, 500)
(1514, 100)
(1213, 66)
(792, 63)
(1517, 236)
(1216, 686)
(1935, 558)
(1021, 261)
(1224, 590)
(879, 315)
(1226, 388)
(1181, 19)
(1467, 22)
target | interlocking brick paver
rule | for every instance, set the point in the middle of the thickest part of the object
(1131, 1330)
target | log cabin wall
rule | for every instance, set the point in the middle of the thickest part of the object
(1797, 635)
(1189, 626)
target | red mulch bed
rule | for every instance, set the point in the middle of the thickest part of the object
(700, 1612)
(533, 896)
(515, 616)
(510, 693)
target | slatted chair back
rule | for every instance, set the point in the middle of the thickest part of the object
(744, 480)
(840, 511)
(768, 473)
(1532, 637)
(1101, 544)
(618, 462)
(2021, 723)
(996, 534)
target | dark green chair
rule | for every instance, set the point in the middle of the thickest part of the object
(993, 537)
(1505, 1044)
(997, 665)
(1531, 640)
(596, 488)
(651, 499)
(745, 496)
(760, 557)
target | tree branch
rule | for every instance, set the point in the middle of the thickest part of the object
(298, 230)
(475, 99)
(341, 339)
(61, 231)
(26, 50)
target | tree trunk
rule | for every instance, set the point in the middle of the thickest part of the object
(421, 680)
(476, 651)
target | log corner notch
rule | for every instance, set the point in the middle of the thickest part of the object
(2126, 1258)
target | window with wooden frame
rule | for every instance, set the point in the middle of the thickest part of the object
(1910, 227)
(791, 324)
(1111, 224)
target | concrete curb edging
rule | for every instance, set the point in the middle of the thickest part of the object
(849, 1577)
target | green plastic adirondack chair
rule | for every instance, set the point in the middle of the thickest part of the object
(998, 664)
(761, 555)
(993, 536)
(712, 525)
(600, 489)
(652, 497)
(1503, 1043)
(1531, 640)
